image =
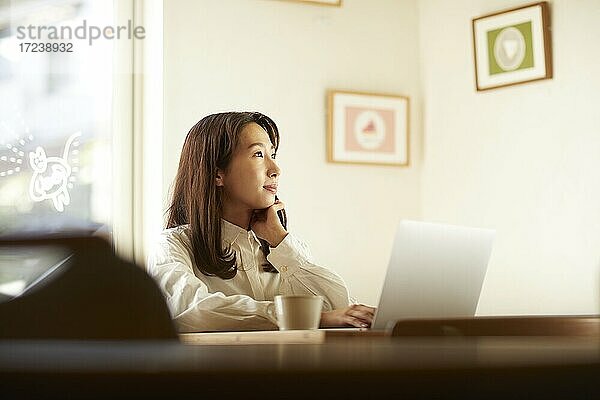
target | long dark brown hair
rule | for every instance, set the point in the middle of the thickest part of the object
(196, 199)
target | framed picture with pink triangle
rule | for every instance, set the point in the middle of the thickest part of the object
(367, 128)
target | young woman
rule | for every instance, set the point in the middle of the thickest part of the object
(226, 251)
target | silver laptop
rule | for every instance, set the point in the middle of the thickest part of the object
(435, 271)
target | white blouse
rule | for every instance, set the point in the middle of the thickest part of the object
(208, 303)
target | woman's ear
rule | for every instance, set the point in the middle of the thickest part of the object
(219, 178)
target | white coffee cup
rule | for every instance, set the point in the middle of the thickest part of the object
(298, 312)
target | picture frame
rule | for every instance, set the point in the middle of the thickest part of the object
(512, 46)
(367, 128)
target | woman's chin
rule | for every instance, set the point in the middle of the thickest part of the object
(267, 201)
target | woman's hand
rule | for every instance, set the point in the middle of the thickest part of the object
(357, 315)
(266, 225)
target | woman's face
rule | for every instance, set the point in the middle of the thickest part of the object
(250, 181)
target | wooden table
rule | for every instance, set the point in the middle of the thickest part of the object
(467, 368)
(319, 336)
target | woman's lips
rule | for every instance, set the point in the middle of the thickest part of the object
(272, 189)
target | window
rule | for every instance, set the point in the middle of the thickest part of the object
(56, 117)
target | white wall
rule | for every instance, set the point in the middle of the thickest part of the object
(524, 160)
(280, 58)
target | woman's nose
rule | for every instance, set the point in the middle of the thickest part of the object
(274, 170)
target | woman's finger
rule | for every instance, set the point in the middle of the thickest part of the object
(363, 309)
(350, 320)
(359, 305)
(363, 316)
(278, 206)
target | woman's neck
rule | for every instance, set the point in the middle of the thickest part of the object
(238, 216)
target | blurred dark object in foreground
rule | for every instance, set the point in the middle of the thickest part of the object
(91, 294)
(537, 325)
(465, 368)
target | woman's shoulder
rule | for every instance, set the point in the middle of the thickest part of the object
(177, 235)
(176, 230)
(171, 245)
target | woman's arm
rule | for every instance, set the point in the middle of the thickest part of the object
(299, 275)
(292, 259)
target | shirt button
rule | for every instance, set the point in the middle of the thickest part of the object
(284, 268)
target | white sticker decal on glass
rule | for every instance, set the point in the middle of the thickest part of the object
(51, 177)
(12, 152)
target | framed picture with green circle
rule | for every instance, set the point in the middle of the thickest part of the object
(512, 46)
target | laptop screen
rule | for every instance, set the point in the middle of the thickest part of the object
(435, 271)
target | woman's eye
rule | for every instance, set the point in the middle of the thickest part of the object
(258, 154)
(274, 156)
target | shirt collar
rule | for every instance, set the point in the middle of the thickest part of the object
(230, 232)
